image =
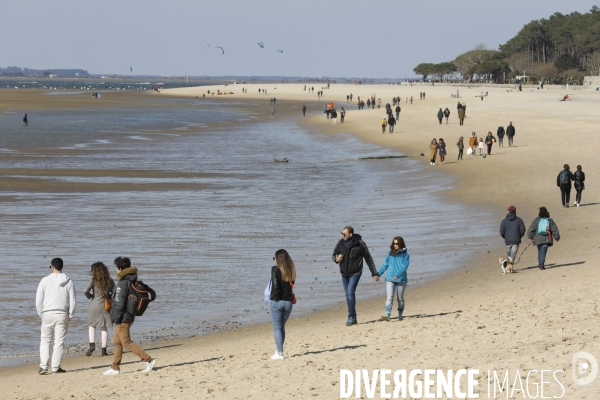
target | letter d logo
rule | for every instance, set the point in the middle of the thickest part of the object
(580, 368)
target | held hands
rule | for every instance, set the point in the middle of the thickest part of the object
(375, 278)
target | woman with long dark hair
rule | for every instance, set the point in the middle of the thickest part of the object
(442, 150)
(395, 263)
(283, 276)
(100, 287)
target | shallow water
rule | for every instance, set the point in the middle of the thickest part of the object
(207, 251)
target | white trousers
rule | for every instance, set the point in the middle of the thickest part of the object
(56, 323)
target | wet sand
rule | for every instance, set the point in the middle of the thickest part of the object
(473, 318)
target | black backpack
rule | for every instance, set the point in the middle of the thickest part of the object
(564, 177)
(139, 297)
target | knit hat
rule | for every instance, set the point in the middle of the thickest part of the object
(512, 209)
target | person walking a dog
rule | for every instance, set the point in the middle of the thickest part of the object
(512, 229)
(542, 232)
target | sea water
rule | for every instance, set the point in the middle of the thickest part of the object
(205, 241)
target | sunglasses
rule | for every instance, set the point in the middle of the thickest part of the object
(396, 244)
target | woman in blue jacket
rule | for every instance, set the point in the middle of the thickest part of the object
(396, 264)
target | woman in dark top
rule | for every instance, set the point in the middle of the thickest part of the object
(579, 178)
(283, 276)
(442, 150)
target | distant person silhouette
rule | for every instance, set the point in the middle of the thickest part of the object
(25, 120)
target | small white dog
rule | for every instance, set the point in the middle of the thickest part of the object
(506, 265)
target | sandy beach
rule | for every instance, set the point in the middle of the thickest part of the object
(474, 318)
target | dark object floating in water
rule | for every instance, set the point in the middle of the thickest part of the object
(284, 160)
(381, 158)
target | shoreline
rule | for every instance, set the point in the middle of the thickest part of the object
(487, 321)
(75, 349)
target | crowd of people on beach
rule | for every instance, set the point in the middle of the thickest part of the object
(117, 304)
(484, 145)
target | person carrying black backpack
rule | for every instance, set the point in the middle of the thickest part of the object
(563, 181)
(127, 303)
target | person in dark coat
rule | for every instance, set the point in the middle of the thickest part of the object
(304, 111)
(442, 149)
(510, 133)
(563, 181)
(578, 178)
(461, 146)
(543, 241)
(489, 141)
(512, 229)
(349, 253)
(440, 116)
(25, 122)
(391, 122)
(122, 315)
(447, 114)
(398, 109)
(500, 134)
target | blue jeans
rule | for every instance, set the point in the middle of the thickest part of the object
(350, 285)
(392, 287)
(280, 312)
(542, 250)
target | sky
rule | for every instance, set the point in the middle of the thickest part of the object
(366, 38)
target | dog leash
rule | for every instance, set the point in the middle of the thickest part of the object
(522, 253)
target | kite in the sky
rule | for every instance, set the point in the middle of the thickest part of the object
(280, 51)
(205, 45)
(262, 46)
(219, 47)
(130, 69)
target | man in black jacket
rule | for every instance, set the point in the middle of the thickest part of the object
(510, 133)
(349, 253)
(512, 230)
(500, 134)
(123, 315)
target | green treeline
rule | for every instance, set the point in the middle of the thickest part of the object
(561, 48)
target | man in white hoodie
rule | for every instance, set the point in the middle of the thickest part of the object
(55, 304)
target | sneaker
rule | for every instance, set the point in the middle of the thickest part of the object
(577, 204)
(542, 267)
(386, 318)
(351, 321)
(400, 316)
(59, 371)
(111, 371)
(277, 356)
(43, 371)
(149, 365)
(567, 205)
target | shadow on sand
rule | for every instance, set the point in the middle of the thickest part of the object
(330, 350)
(552, 266)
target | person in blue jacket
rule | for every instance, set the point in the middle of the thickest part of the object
(396, 263)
